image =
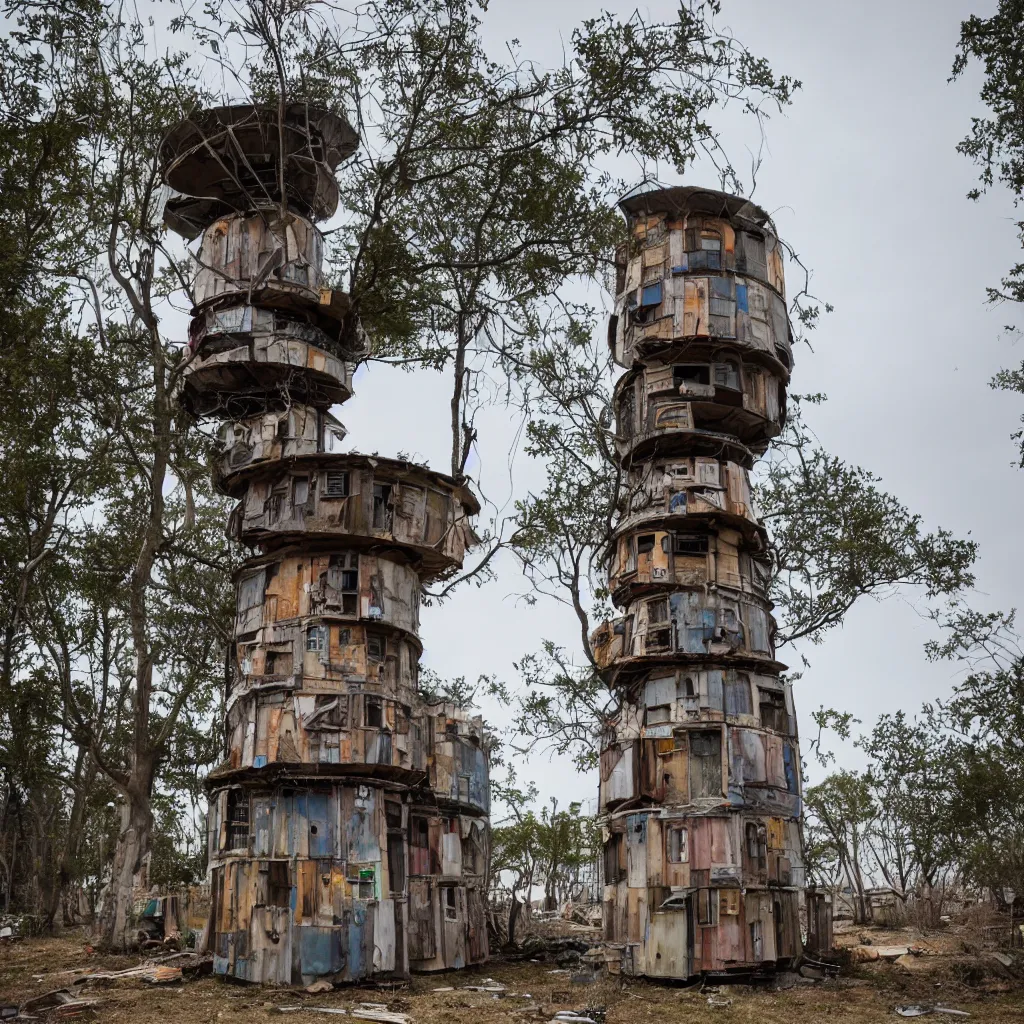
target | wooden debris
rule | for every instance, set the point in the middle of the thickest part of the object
(375, 1012)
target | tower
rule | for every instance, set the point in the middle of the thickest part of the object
(700, 771)
(348, 828)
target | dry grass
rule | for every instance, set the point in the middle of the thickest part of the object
(864, 996)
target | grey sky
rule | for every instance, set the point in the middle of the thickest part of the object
(862, 175)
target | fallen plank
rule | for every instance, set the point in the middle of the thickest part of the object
(378, 1016)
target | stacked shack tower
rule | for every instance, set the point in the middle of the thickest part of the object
(700, 773)
(348, 829)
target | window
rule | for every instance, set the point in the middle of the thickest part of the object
(396, 847)
(707, 251)
(451, 730)
(757, 846)
(645, 544)
(687, 688)
(729, 901)
(275, 505)
(707, 907)
(344, 637)
(729, 630)
(450, 913)
(658, 715)
(721, 301)
(373, 713)
(331, 436)
(279, 886)
(658, 640)
(705, 764)
(679, 469)
(690, 374)
(657, 610)
(336, 484)
(316, 638)
(614, 858)
(376, 648)
(472, 859)
(300, 490)
(283, 433)
(277, 663)
(689, 544)
(750, 255)
(419, 847)
(238, 819)
(676, 847)
(711, 246)
(727, 375)
(737, 695)
(721, 308)
(627, 405)
(382, 511)
(772, 709)
(343, 579)
(366, 884)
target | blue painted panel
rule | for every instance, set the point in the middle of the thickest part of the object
(788, 761)
(298, 823)
(636, 829)
(650, 295)
(220, 964)
(259, 761)
(355, 968)
(741, 298)
(315, 950)
(473, 763)
(715, 689)
(319, 825)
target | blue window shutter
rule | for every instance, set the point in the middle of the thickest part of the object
(651, 295)
(741, 298)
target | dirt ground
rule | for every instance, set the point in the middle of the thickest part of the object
(864, 993)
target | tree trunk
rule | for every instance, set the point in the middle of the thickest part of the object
(85, 777)
(113, 925)
(513, 919)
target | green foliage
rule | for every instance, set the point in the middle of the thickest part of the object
(996, 142)
(549, 848)
(835, 536)
(941, 798)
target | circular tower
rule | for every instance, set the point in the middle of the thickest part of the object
(700, 771)
(348, 830)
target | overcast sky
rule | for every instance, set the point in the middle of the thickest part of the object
(862, 176)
